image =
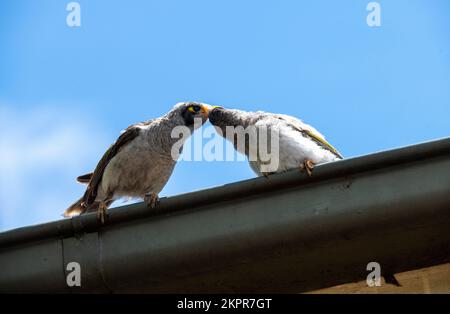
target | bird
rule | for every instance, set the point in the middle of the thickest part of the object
(140, 162)
(299, 144)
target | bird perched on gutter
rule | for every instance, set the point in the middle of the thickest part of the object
(300, 145)
(140, 162)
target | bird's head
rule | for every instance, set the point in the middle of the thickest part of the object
(222, 118)
(235, 126)
(190, 114)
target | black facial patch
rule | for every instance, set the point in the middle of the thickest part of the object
(216, 116)
(188, 117)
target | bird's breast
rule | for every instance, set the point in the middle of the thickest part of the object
(136, 170)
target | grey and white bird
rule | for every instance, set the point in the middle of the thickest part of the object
(299, 144)
(140, 162)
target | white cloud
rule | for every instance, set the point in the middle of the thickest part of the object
(41, 152)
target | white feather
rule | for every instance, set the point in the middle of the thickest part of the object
(294, 148)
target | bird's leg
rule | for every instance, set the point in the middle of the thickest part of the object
(307, 166)
(101, 213)
(151, 200)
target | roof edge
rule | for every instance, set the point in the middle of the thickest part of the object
(88, 222)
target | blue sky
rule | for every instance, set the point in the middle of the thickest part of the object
(66, 93)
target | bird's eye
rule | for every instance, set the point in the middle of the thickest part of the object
(194, 108)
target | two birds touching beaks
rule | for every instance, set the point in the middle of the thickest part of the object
(140, 162)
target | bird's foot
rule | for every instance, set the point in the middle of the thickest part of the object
(151, 200)
(307, 166)
(101, 212)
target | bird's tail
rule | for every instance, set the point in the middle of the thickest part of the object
(75, 209)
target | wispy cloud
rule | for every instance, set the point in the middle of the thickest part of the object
(41, 151)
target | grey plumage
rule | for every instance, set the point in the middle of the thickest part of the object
(298, 141)
(140, 162)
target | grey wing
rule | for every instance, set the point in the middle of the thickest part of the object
(310, 132)
(86, 178)
(297, 123)
(126, 137)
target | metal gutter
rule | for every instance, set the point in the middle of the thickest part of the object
(285, 233)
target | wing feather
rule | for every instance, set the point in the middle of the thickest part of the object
(310, 132)
(126, 137)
